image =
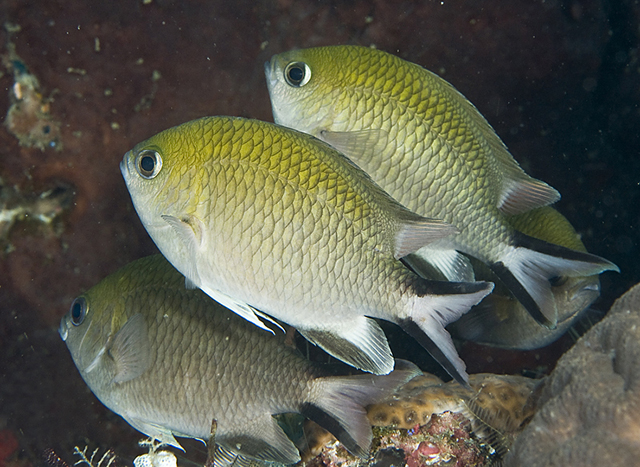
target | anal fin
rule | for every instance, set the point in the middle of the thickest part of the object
(260, 438)
(360, 343)
(223, 457)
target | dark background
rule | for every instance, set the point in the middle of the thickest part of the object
(558, 80)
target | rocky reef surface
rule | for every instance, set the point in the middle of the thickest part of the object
(584, 414)
(430, 422)
(589, 411)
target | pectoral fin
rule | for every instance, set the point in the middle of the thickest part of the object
(360, 146)
(190, 230)
(223, 457)
(131, 350)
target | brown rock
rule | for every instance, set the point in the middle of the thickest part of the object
(590, 405)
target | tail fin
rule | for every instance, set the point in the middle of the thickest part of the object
(339, 405)
(501, 321)
(527, 268)
(438, 304)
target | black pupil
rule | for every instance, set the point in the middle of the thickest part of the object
(77, 312)
(147, 163)
(296, 74)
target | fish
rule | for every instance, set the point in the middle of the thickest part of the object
(501, 321)
(172, 362)
(273, 223)
(425, 144)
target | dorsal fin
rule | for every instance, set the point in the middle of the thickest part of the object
(519, 192)
(415, 232)
(523, 194)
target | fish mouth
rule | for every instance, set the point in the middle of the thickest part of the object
(581, 295)
(124, 165)
(63, 329)
(270, 73)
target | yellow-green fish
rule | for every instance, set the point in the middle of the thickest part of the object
(428, 146)
(501, 321)
(173, 362)
(267, 220)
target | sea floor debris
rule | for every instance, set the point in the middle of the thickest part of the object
(41, 210)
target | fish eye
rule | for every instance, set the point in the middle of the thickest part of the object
(78, 311)
(558, 281)
(297, 74)
(148, 163)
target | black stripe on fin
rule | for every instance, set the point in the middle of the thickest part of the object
(411, 328)
(333, 426)
(532, 243)
(430, 287)
(521, 294)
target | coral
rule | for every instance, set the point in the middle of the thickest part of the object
(445, 439)
(590, 405)
(503, 400)
(523, 64)
(43, 209)
(105, 460)
(154, 458)
(29, 116)
(428, 421)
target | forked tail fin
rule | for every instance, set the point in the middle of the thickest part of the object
(438, 304)
(339, 405)
(527, 268)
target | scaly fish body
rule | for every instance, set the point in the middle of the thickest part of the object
(429, 147)
(501, 321)
(170, 361)
(265, 219)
